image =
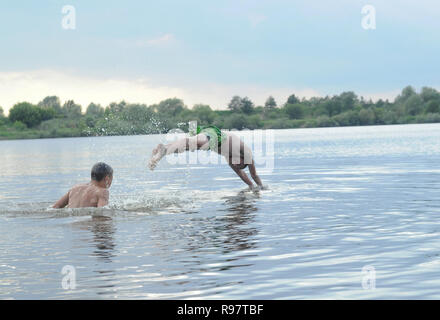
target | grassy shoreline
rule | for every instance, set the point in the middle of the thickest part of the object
(50, 119)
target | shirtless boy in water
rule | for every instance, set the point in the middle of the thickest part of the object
(92, 194)
(227, 144)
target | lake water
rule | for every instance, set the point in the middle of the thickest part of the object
(344, 206)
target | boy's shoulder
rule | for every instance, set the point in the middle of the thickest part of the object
(90, 188)
(102, 192)
(79, 186)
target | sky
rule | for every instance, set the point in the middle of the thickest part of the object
(207, 51)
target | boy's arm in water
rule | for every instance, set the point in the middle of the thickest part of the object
(254, 175)
(103, 198)
(64, 201)
(242, 175)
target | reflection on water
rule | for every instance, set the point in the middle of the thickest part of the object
(242, 212)
(103, 230)
(339, 199)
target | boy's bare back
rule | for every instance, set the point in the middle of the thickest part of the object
(87, 195)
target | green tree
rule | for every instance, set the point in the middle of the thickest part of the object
(238, 104)
(366, 117)
(235, 104)
(429, 94)
(247, 105)
(348, 118)
(407, 92)
(51, 102)
(380, 103)
(333, 106)
(204, 113)
(90, 121)
(294, 111)
(46, 113)
(325, 121)
(413, 105)
(71, 110)
(270, 103)
(19, 126)
(2, 116)
(379, 115)
(171, 107)
(114, 107)
(292, 99)
(254, 122)
(319, 110)
(26, 113)
(238, 122)
(433, 106)
(138, 114)
(95, 110)
(348, 100)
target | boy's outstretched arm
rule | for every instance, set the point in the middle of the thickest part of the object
(199, 142)
(64, 201)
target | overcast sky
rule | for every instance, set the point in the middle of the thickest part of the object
(207, 51)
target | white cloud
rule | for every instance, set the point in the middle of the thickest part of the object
(255, 19)
(159, 41)
(33, 86)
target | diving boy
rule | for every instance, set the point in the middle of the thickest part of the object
(227, 144)
(92, 194)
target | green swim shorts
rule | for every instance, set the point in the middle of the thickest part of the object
(214, 134)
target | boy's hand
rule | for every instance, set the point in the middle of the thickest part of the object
(258, 188)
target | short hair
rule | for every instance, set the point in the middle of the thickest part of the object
(101, 170)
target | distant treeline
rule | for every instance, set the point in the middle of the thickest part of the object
(50, 118)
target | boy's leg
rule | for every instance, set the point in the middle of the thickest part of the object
(187, 144)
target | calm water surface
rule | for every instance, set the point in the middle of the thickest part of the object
(339, 199)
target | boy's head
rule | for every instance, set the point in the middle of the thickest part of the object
(102, 172)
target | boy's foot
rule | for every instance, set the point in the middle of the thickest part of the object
(158, 153)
